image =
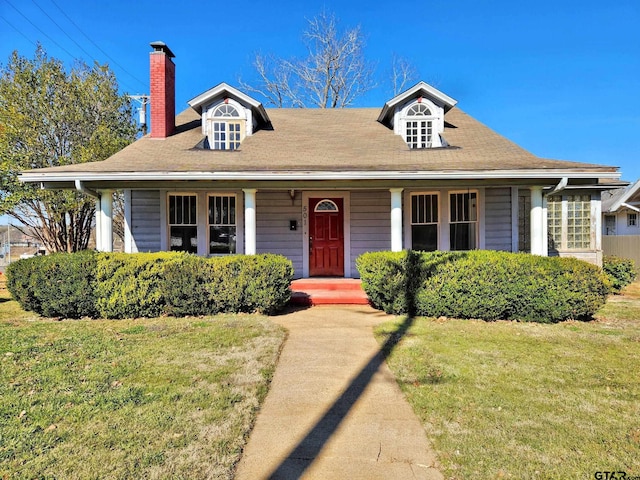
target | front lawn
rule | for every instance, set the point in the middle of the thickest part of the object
(526, 400)
(157, 398)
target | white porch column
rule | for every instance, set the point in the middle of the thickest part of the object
(249, 221)
(106, 214)
(537, 222)
(98, 225)
(396, 219)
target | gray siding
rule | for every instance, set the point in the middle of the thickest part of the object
(145, 220)
(497, 206)
(274, 210)
(370, 223)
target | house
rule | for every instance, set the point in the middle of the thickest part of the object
(621, 209)
(322, 186)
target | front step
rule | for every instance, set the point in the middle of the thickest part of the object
(328, 291)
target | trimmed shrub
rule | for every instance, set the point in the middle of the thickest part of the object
(385, 280)
(120, 285)
(498, 285)
(58, 285)
(132, 285)
(486, 285)
(391, 279)
(267, 278)
(621, 271)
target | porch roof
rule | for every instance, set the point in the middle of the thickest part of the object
(311, 142)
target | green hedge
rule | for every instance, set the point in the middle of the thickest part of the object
(118, 285)
(484, 284)
(58, 285)
(621, 271)
(391, 279)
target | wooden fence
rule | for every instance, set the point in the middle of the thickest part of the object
(625, 246)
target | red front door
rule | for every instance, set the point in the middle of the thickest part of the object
(326, 237)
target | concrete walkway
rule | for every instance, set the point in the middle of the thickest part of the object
(334, 410)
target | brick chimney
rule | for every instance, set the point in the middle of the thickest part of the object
(163, 90)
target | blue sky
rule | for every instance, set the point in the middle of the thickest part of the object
(561, 78)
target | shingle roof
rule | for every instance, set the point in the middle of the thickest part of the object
(326, 140)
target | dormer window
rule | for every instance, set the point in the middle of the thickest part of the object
(226, 128)
(417, 115)
(419, 126)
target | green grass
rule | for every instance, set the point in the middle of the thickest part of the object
(525, 400)
(158, 398)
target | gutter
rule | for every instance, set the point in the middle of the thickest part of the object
(49, 177)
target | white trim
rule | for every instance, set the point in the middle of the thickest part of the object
(250, 231)
(346, 206)
(129, 241)
(98, 220)
(49, 177)
(537, 221)
(208, 225)
(396, 219)
(630, 207)
(408, 217)
(479, 214)
(106, 213)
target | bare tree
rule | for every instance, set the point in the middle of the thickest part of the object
(334, 73)
(48, 117)
(403, 73)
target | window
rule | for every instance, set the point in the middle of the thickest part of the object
(632, 219)
(524, 223)
(578, 221)
(463, 222)
(326, 206)
(183, 223)
(222, 224)
(554, 222)
(419, 130)
(226, 128)
(424, 221)
(569, 222)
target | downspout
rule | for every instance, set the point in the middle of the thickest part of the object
(81, 188)
(558, 188)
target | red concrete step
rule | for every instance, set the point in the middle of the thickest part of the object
(326, 284)
(328, 291)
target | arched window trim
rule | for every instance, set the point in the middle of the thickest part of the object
(328, 203)
(420, 131)
(213, 108)
(226, 132)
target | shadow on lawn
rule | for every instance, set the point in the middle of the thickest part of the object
(305, 453)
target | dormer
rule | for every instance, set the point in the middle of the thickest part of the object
(228, 116)
(417, 115)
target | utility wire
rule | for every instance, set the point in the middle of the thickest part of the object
(38, 28)
(62, 30)
(96, 45)
(19, 31)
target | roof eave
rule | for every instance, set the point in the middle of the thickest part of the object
(629, 192)
(64, 177)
